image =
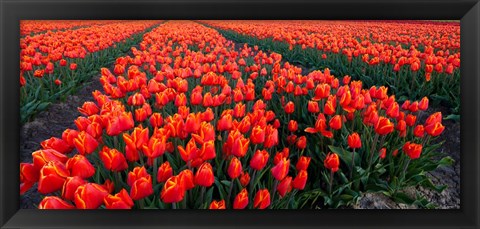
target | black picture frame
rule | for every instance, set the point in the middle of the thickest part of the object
(468, 11)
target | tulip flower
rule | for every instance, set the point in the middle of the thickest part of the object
(54, 202)
(173, 191)
(336, 122)
(186, 178)
(302, 142)
(113, 159)
(52, 177)
(120, 200)
(292, 126)
(412, 150)
(300, 180)
(141, 188)
(383, 126)
(262, 199)
(303, 163)
(289, 108)
(285, 186)
(70, 186)
(354, 141)
(204, 176)
(434, 129)
(419, 131)
(332, 162)
(89, 196)
(217, 205)
(241, 200)
(245, 178)
(280, 170)
(79, 165)
(85, 143)
(258, 135)
(164, 172)
(235, 168)
(57, 144)
(42, 157)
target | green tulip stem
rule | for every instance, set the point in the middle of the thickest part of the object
(331, 183)
(230, 191)
(275, 184)
(353, 163)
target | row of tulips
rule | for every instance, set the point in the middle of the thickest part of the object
(54, 64)
(189, 121)
(414, 60)
(31, 27)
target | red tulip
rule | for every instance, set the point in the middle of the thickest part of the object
(80, 166)
(113, 159)
(57, 144)
(54, 202)
(303, 163)
(120, 200)
(383, 153)
(258, 135)
(241, 200)
(354, 141)
(300, 180)
(41, 157)
(434, 129)
(302, 142)
(89, 196)
(262, 199)
(419, 131)
(135, 174)
(412, 150)
(289, 108)
(336, 122)
(285, 186)
(70, 186)
(235, 168)
(164, 172)
(204, 176)
(173, 191)
(383, 126)
(186, 178)
(245, 178)
(280, 170)
(313, 107)
(85, 143)
(217, 204)
(423, 104)
(141, 188)
(332, 162)
(259, 160)
(52, 177)
(292, 126)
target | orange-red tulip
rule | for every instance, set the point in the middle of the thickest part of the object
(120, 200)
(217, 205)
(79, 165)
(173, 191)
(241, 200)
(262, 199)
(300, 180)
(204, 176)
(89, 196)
(54, 202)
(332, 162)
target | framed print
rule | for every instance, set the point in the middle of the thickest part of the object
(239, 114)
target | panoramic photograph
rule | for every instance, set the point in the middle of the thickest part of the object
(239, 114)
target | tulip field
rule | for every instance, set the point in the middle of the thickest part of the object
(239, 114)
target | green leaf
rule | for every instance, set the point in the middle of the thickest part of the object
(401, 197)
(453, 117)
